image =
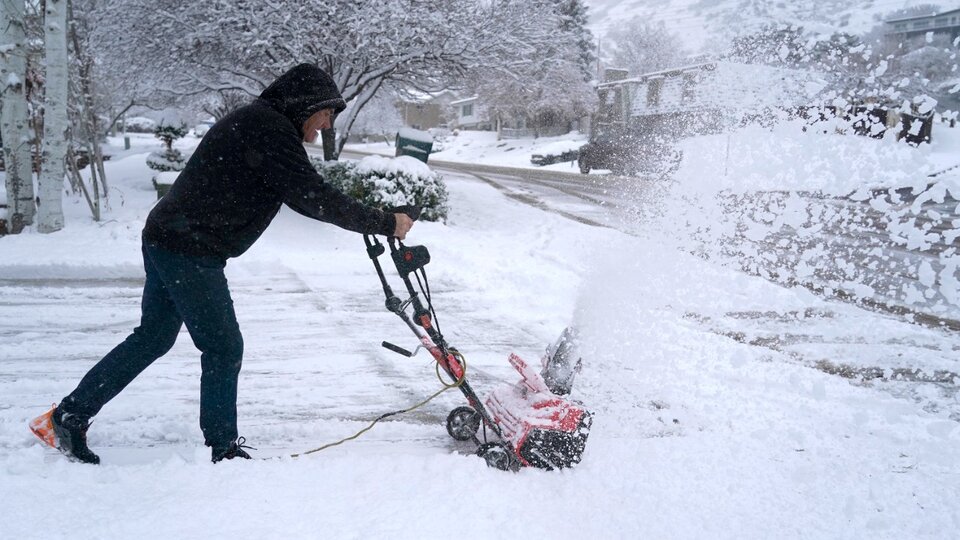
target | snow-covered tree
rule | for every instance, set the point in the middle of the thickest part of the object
(573, 22)
(14, 116)
(641, 47)
(380, 117)
(50, 183)
(84, 114)
(542, 78)
(186, 50)
(224, 102)
(871, 68)
(783, 45)
(547, 91)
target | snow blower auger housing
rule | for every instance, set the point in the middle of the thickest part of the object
(531, 423)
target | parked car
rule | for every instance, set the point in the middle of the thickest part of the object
(627, 154)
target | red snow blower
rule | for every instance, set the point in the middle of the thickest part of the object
(528, 424)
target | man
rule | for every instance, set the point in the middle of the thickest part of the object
(247, 166)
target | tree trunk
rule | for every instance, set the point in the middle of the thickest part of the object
(362, 98)
(50, 186)
(14, 117)
(330, 150)
(88, 112)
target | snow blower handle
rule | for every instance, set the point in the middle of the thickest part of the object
(412, 211)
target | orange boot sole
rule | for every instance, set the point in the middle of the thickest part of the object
(42, 427)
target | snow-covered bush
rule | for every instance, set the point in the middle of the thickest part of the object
(139, 124)
(170, 159)
(389, 182)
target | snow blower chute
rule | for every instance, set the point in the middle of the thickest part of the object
(531, 423)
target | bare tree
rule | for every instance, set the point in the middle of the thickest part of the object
(641, 47)
(85, 135)
(187, 50)
(14, 117)
(224, 102)
(547, 91)
(55, 125)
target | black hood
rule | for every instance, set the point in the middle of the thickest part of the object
(301, 92)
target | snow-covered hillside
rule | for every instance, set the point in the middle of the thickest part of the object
(705, 24)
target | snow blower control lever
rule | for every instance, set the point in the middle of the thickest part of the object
(531, 425)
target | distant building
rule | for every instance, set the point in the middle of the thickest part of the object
(946, 23)
(649, 112)
(469, 114)
(426, 111)
(702, 97)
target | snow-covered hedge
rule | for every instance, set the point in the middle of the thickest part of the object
(168, 160)
(389, 182)
(139, 124)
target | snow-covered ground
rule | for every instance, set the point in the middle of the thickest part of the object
(716, 415)
(482, 147)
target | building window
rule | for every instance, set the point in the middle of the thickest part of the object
(689, 87)
(653, 92)
(466, 110)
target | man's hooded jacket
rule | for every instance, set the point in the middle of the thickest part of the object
(249, 164)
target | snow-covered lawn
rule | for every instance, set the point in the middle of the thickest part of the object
(702, 430)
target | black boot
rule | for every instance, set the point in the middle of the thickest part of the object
(233, 450)
(71, 433)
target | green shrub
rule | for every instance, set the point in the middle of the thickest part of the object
(168, 133)
(389, 182)
(170, 159)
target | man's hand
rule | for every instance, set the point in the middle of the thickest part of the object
(403, 225)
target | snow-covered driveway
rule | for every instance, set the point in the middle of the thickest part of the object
(700, 431)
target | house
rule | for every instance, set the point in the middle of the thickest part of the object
(426, 111)
(946, 23)
(469, 114)
(654, 109)
(702, 97)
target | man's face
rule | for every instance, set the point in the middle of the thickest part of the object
(320, 120)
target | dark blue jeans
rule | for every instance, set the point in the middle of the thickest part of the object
(179, 290)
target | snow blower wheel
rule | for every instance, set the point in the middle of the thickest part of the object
(463, 423)
(497, 455)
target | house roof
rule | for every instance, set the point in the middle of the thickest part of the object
(425, 97)
(464, 100)
(725, 85)
(917, 17)
(663, 73)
